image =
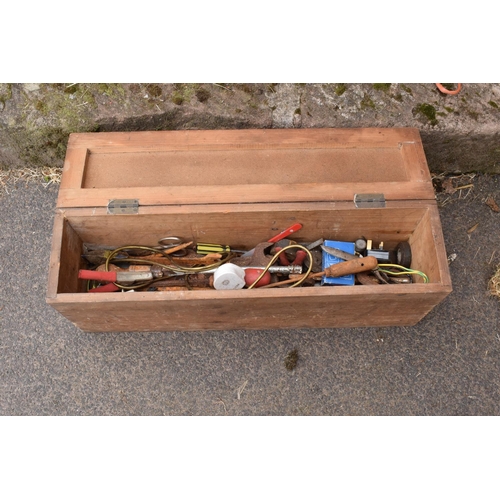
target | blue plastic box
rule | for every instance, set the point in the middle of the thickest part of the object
(328, 260)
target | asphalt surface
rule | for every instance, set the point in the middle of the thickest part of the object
(448, 364)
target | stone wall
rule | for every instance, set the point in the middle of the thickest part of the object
(460, 132)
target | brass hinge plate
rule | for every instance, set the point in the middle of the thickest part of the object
(369, 200)
(123, 207)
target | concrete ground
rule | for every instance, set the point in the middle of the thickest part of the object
(448, 364)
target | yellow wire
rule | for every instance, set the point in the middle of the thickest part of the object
(405, 270)
(174, 267)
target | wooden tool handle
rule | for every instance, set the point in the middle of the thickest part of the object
(177, 248)
(351, 267)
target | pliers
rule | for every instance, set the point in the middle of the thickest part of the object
(300, 255)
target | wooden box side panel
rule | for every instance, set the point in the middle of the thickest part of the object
(428, 249)
(245, 225)
(65, 259)
(304, 308)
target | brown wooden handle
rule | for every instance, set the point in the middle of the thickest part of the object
(351, 267)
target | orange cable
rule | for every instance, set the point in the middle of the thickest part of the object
(449, 92)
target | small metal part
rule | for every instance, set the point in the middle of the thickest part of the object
(130, 277)
(168, 243)
(369, 200)
(340, 254)
(273, 270)
(123, 207)
(400, 279)
(381, 255)
(279, 269)
(360, 245)
(403, 254)
(379, 276)
(315, 244)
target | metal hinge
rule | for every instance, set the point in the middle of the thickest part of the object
(369, 200)
(123, 207)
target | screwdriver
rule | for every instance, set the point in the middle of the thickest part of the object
(206, 248)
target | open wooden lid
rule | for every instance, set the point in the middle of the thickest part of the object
(243, 166)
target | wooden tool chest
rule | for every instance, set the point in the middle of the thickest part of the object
(240, 188)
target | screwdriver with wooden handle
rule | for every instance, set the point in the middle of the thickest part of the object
(353, 266)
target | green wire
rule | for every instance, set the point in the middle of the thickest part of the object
(405, 270)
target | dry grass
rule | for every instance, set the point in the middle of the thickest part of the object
(494, 284)
(46, 176)
(452, 187)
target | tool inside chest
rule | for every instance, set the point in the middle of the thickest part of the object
(244, 228)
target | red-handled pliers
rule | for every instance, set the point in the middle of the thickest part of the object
(112, 277)
(298, 261)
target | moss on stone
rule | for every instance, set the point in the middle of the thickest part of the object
(154, 90)
(298, 111)
(244, 87)
(110, 89)
(427, 111)
(450, 110)
(71, 88)
(177, 98)
(340, 88)
(183, 92)
(41, 106)
(384, 87)
(70, 111)
(202, 94)
(407, 89)
(41, 147)
(48, 115)
(473, 114)
(5, 94)
(493, 104)
(367, 102)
